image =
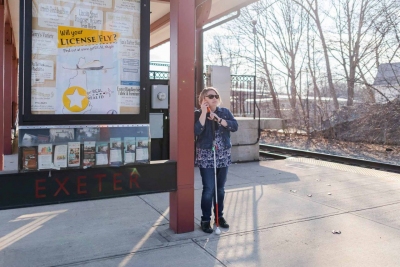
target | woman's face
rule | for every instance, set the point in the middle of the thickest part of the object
(213, 101)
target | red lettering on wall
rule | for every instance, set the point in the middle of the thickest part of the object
(116, 181)
(100, 176)
(61, 186)
(133, 178)
(80, 184)
(37, 188)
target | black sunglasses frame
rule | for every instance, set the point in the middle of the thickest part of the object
(212, 96)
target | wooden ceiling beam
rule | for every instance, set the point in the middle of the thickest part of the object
(161, 22)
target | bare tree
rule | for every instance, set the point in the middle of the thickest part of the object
(312, 8)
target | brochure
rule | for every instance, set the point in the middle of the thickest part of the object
(74, 154)
(60, 156)
(45, 152)
(61, 135)
(88, 134)
(89, 153)
(142, 149)
(29, 158)
(115, 151)
(130, 148)
(43, 139)
(101, 153)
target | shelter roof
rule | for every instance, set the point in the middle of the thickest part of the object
(207, 11)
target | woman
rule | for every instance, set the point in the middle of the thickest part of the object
(224, 123)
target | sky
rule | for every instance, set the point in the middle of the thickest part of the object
(160, 53)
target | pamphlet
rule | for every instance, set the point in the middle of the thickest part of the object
(142, 149)
(130, 148)
(115, 151)
(60, 156)
(74, 155)
(29, 139)
(89, 153)
(42, 139)
(29, 158)
(101, 153)
(45, 156)
(87, 134)
(61, 135)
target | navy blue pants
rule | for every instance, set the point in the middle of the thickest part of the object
(208, 195)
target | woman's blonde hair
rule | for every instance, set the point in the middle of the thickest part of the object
(204, 92)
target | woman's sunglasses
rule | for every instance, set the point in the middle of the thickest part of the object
(212, 96)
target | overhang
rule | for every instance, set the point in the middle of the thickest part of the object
(207, 11)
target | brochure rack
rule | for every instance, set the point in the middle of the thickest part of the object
(82, 146)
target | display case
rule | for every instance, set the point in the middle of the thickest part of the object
(79, 146)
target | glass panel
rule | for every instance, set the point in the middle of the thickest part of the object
(85, 57)
(58, 147)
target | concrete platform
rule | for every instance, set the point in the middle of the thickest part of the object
(274, 222)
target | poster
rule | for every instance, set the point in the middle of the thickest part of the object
(42, 70)
(85, 57)
(50, 16)
(44, 42)
(43, 99)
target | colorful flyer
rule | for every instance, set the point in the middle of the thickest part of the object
(74, 154)
(45, 152)
(60, 156)
(142, 149)
(115, 151)
(101, 153)
(129, 149)
(89, 153)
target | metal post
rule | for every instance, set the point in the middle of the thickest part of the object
(254, 22)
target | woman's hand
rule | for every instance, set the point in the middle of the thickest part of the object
(214, 117)
(204, 107)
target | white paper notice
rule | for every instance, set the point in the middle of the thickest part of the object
(127, 5)
(129, 71)
(50, 16)
(42, 70)
(93, 3)
(129, 96)
(117, 22)
(88, 18)
(129, 48)
(44, 42)
(43, 99)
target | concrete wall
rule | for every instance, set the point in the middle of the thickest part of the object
(245, 146)
(221, 79)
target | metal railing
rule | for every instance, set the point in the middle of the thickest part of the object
(242, 95)
(243, 92)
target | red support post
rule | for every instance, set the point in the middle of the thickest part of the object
(182, 84)
(7, 87)
(2, 24)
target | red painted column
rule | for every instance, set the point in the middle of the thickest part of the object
(182, 39)
(7, 82)
(1, 86)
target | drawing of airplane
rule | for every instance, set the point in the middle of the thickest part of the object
(94, 65)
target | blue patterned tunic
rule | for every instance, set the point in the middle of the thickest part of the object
(205, 157)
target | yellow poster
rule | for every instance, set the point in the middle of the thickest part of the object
(71, 37)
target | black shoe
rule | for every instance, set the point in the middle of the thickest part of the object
(222, 222)
(206, 227)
